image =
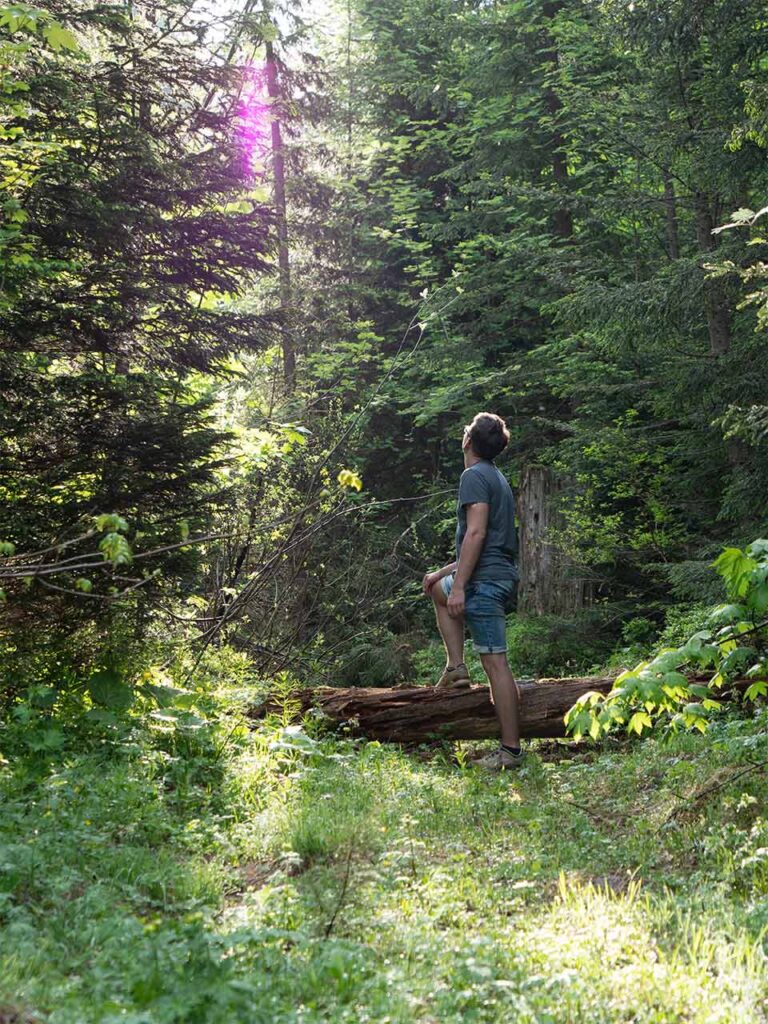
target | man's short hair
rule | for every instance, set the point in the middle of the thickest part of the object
(488, 435)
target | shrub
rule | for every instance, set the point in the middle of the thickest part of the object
(657, 692)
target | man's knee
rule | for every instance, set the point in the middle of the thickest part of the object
(438, 594)
(495, 665)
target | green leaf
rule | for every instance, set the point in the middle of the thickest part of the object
(700, 637)
(109, 691)
(743, 215)
(112, 523)
(59, 38)
(698, 690)
(695, 710)
(675, 679)
(115, 549)
(757, 598)
(735, 566)
(590, 698)
(170, 696)
(639, 721)
(293, 437)
(668, 660)
(758, 689)
(578, 724)
(727, 613)
(348, 478)
(42, 696)
(48, 739)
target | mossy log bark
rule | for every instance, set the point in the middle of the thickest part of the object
(420, 713)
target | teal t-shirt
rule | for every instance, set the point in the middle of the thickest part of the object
(484, 483)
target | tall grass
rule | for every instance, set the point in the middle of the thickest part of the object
(240, 876)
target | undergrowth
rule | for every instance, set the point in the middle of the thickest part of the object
(153, 875)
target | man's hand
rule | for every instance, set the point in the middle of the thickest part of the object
(430, 579)
(456, 602)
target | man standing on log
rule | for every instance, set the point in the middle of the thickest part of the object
(480, 587)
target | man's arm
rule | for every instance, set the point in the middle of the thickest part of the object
(471, 549)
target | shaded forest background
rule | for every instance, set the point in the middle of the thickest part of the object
(259, 267)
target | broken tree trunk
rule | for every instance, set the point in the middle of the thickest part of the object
(420, 713)
(549, 582)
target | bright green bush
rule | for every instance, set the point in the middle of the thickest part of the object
(657, 692)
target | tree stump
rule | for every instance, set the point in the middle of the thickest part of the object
(549, 582)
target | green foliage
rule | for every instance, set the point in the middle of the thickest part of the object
(22, 18)
(379, 658)
(116, 549)
(124, 207)
(682, 621)
(637, 630)
(516, 211)
(490, 205)
(641, 636)
(233, 873)
(657, 692)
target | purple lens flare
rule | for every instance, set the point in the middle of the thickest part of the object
(255, 119)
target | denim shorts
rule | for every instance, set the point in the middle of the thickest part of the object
(486, 604)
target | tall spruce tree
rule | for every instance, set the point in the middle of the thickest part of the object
(129, 236)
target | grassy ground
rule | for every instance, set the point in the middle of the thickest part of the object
(213, 875)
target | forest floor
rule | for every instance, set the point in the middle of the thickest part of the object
(223, 876)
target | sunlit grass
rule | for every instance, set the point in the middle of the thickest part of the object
(321, 880)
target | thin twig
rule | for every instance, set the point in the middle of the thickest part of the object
(590, 811)
(342, 892)
(708, 790)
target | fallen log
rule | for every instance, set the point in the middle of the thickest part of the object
(420, 713)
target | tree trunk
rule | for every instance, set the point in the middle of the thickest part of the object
(563, 217)
(716, 303)
(281, 216)
(549, 582)
(420, 713)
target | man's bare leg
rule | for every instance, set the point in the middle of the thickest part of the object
(505, 697)
(451, 630)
